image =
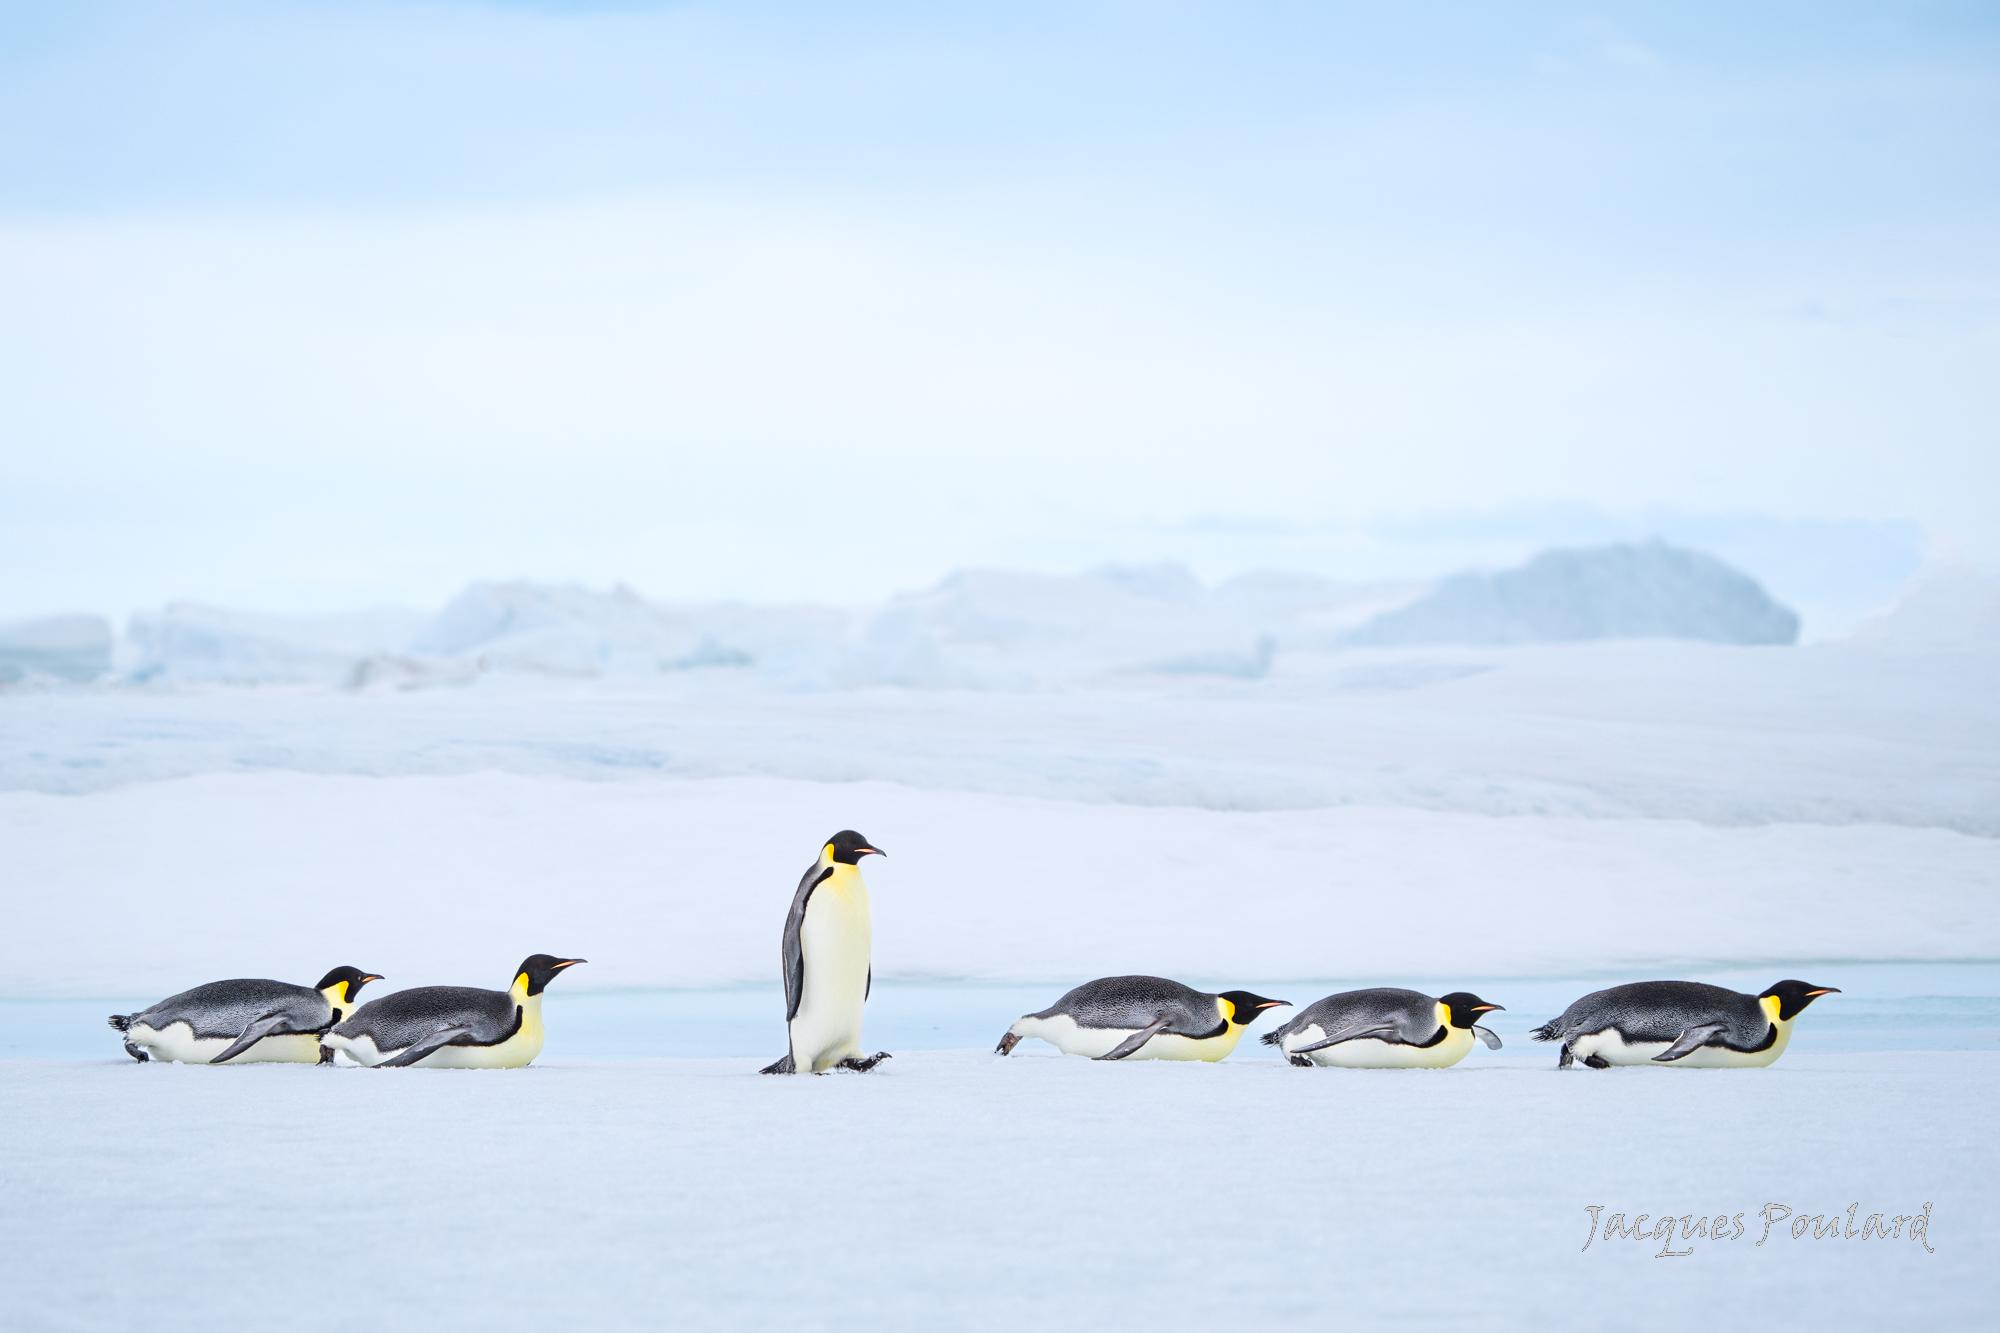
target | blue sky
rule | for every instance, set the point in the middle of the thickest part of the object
(328, 304)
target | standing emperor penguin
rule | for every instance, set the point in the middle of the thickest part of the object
(826, 958)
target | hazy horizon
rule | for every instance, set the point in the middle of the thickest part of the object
(323, 308)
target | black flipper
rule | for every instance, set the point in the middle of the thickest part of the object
(430, 1045)
(1135, 1041)
(782, 1065)
(1693, 1039)
(791, 951)
(1487, 1035)
(1380, 1030)
(259, 1028)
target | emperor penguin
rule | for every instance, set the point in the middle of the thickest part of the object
(451, 1027)
(1689, 1024)
(1148, 1018)
(1385, 1028)
(825, 954)
(244, 1021)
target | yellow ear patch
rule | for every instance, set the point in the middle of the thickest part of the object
(1771, 1005)
(521, 982)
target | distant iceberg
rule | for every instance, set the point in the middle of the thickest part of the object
(1948, 609)
(72, 649)
(567, 629)
(978, 629)
(1645, 591)
(190, 643)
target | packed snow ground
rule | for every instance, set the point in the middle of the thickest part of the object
(1832, 734)
(432, 879)
(1422, 816)
(961, 1190)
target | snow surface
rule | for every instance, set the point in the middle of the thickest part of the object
(961, 1190)
(146, 889)
(1143, 778)
(1830, 734)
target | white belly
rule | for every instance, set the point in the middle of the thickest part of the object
(177, 1042)
(835, 938)
(516, 1051)
(1611, 1048)
(1063, 1033)
(1369, 1053)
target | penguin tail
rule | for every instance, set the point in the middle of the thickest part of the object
(1272, 1038)
(120, 1021)
(1547, 1032)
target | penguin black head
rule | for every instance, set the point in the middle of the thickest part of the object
(1247, 1006)
(538, 969)
(1466, 1008)
(349, 979)
(848, 847)
(1796, 995)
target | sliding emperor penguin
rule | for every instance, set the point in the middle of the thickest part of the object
(826, 960)
(1143, 1018)
(1385, 1028)
(451, 1027)
(242, 1021)
(1688, 1024)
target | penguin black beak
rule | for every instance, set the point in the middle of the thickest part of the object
(869, 851)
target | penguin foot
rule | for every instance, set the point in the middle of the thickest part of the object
(861, 1066)
(1567, 1058)
(326, 1055)
(1300, 1061)
(782, 1065)
(1596, 1062)
(136, 1053)
(1007, 1044)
